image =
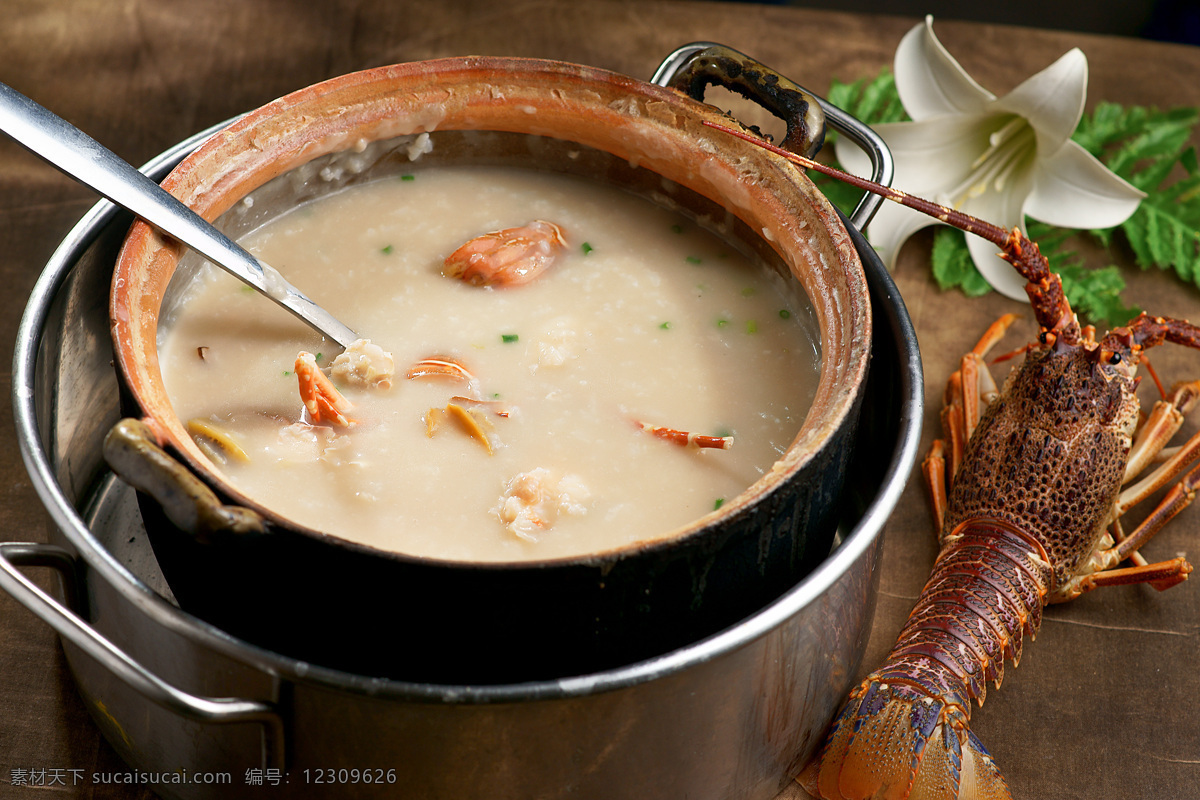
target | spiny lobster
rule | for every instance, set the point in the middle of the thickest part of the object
(1032, 516)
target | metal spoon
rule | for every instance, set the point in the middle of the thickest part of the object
(83, 158)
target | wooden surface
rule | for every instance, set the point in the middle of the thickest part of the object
(1103, 704)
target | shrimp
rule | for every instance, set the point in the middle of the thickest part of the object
(511, 257)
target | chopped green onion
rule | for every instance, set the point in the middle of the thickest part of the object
(721, 323)
(508, 338)
(677, 229)
(666, 326)
(751, 326)
(720, 502)
(317, 357)
(748, 291)
(693, 259)
(586, 248)
(386, 249)
(286, 373)
(784, 314)
(408, 177)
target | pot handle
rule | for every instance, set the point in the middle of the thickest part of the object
(694, 67)
(132, 450)
(218, 710)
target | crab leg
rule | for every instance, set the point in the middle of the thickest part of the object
(320, 396)
(685, 439)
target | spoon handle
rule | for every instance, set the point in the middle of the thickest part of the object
(83, 158)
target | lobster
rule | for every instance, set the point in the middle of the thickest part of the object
(1027, 498)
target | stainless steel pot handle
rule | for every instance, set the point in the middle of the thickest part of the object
(219, 710)
(693, 67)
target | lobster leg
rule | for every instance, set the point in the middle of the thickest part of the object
(974, 387)
(953, 424)
(934, 470)
(1163, 422)
(968, 391)
(1176, 500)
(1176, 464)
(1162, 575)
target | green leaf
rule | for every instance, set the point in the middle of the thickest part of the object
(1189, 162)
(1123, 137)
(952, 264)
(1096, 294)
(1103, 126)
(871, 101)
(1165, 230)
(1147, 147)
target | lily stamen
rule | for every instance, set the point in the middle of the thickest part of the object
(998, 137)
(993, 168)
(1006, 160)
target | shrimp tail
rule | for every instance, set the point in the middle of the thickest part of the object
(893, 740)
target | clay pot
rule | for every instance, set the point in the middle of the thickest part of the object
(298, 591)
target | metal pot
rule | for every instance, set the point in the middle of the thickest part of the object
(293, 590)
(732, 715)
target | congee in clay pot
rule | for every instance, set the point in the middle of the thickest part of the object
(610, 375)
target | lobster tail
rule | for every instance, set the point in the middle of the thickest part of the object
(893, 741)
(903, 732)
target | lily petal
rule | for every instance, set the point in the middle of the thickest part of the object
(931, 156)
(1074, 190)
(1005, 209)
(891, 227)
(997, 159)
(930, 81)
(1002, 276)
(1052, 100)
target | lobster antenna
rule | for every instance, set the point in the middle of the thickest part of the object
(1044, 287)
(986, 230)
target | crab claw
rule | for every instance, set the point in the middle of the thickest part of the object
(511, 257)
(320, 396)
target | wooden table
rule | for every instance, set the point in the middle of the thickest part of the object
(1103, 704)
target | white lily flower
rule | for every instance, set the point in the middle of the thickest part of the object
(998, 159)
